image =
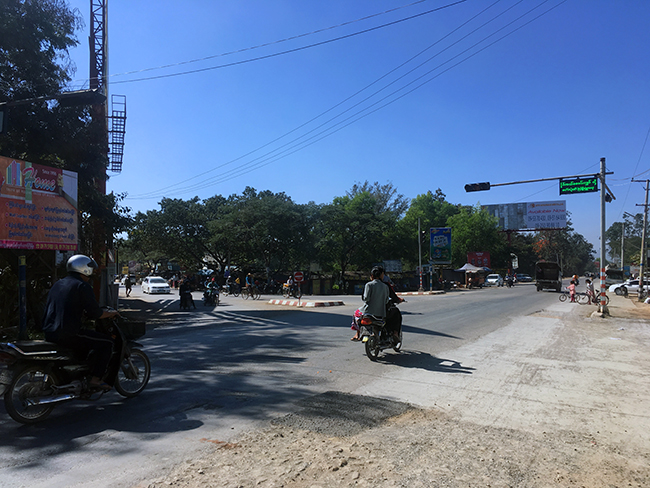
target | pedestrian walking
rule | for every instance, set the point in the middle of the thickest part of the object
(128, 285)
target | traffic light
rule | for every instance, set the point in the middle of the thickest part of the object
(477, 186)
(424, 236)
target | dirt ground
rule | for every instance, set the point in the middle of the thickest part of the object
(420, 448)
(417, 448)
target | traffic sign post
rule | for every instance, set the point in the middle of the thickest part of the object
(298, 277)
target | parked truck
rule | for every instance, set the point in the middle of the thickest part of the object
(548, 276)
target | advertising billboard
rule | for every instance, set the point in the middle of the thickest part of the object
(479, 259)
(530, 215)
(440, 245)
(38, 206)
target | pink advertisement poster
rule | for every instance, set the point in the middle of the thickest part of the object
(38, 206)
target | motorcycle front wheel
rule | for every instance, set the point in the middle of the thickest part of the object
(372, 348)
(133, 375)
(32, 383)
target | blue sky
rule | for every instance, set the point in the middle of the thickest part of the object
(549, 99)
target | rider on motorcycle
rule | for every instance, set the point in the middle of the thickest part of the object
(375, 296)
(66, 302)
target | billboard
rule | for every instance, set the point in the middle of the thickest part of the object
(38, 206)
(479, 259)
(530, 215)
(440, 245)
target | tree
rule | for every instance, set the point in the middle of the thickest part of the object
(433, 210)
(565, 246)
(354, 230)
(632, 242)
(35, 38)
(473, 229)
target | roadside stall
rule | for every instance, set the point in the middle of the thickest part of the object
(473, 275)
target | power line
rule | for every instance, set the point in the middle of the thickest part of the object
(301, 48)
(248, 167)
(266, 44)
(156, 192)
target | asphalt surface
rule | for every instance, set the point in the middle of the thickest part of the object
(218, 373)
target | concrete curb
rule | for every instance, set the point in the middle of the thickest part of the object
(304, 303)
(411, 293)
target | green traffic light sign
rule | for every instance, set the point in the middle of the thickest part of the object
(578, 185)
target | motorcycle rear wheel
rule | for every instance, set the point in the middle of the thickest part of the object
(133, 375)
(30, 383)
(372, 348)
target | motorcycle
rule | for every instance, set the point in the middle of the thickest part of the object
(211, 297)
(36, 376)
(289, 291)
(376, 337)
(510, 282)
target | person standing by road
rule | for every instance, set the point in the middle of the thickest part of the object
(590, 291)
(375, 296)
(572, 290)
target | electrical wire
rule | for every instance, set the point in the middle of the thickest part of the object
(280, 41)
(248, 167)
(297, 49)
(342, 102)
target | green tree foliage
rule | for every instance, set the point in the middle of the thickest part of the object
(35, 37)
(565, 246)
(474, 230)
(433, 210)
(357, 230)
(257, 231)
(632, 241)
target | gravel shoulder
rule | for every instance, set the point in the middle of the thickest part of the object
(559, 400)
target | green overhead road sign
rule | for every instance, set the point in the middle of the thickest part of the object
(578, 185)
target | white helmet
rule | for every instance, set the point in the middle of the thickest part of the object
(81, 264)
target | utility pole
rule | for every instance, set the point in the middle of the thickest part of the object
(602, 308)
(643, 236)
(623, 249)
(420, 254)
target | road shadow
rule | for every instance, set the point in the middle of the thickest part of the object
(426, 361)
(419, 330)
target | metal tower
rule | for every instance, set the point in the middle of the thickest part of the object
(116, 121)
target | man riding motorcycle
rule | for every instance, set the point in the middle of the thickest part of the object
(66, 302)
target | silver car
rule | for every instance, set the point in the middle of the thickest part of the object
(155, 284)
(494, 279)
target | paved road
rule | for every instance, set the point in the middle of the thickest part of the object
(219, 372)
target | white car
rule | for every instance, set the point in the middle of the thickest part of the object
(155, 284)
(494, 279)
(628, 286)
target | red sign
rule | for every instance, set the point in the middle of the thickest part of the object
(480, 259)
(298, 276)
(38, 206)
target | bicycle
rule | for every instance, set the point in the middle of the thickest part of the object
(565, 295)
(584, 299)
(251, 292)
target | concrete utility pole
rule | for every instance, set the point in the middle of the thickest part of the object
(644, 256)
(623, 249)
(420, 254)
(602, 308)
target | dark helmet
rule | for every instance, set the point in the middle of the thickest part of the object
(81, 264)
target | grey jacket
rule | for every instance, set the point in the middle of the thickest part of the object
(375, 297)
